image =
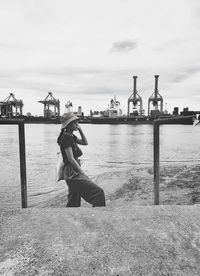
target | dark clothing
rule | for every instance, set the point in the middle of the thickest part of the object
(79, 185)
(67, 141)
(86, 189)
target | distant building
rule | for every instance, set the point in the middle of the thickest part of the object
(175, 112)
(114, 109)
(165, 111)
(186, 112)
(69, 107)
(79, 110)
(97, 114)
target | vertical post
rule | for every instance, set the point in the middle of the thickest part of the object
(161, 105)
(44, 109)
(156, 161)
(156, 84)
(134, 86)
(128, 113)
(22, 164)
(59, 109)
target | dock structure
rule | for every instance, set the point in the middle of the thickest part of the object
(11, 107)
(156, 100)
(48, 102)
(136, 100)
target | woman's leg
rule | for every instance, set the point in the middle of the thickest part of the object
(74, 199)
(88, 190)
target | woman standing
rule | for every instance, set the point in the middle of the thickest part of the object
(78, 183)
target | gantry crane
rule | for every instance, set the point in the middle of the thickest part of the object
(156, 100)
(11, 107)
(51, 101)
(136, 100)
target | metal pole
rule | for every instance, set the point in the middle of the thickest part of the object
(134, 86)
(156, 162)
(156, 84)
(59, 109)
(22, 153)
(128, 108)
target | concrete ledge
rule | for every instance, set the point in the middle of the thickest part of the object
(127, 240)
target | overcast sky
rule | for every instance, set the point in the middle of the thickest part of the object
(87, 51)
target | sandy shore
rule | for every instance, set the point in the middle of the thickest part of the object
(125, 238)
(179, 185)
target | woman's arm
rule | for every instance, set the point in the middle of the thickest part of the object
(83, 140)
(72, 160)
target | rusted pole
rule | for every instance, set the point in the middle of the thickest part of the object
(156, 150)
(22, 153)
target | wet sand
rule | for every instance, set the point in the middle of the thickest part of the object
(179, 185)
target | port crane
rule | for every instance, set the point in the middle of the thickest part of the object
(11, 107)
(51, 101)
(156, 100)
(136, 100)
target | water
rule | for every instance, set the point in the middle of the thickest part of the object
(111, 148)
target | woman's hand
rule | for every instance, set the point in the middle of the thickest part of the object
(79, 127)
(83, 140)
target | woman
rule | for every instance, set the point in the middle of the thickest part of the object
(78, 183)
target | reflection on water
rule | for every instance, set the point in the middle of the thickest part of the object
(111, 148)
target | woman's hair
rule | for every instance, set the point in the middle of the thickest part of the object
(59, 137)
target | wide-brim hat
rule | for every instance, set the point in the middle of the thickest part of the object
(68, 118)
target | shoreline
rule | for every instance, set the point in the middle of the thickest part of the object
(135, 120)
(179, 185)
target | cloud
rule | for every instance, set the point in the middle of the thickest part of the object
(76, 51)
(124, 46)
(184, 74)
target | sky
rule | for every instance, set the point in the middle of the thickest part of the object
(87, 51)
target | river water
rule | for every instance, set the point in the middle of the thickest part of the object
(111, 148)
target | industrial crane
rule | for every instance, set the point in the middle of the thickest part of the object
(156, 100)
(136, 100)
(11, 107)
(51, 101)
